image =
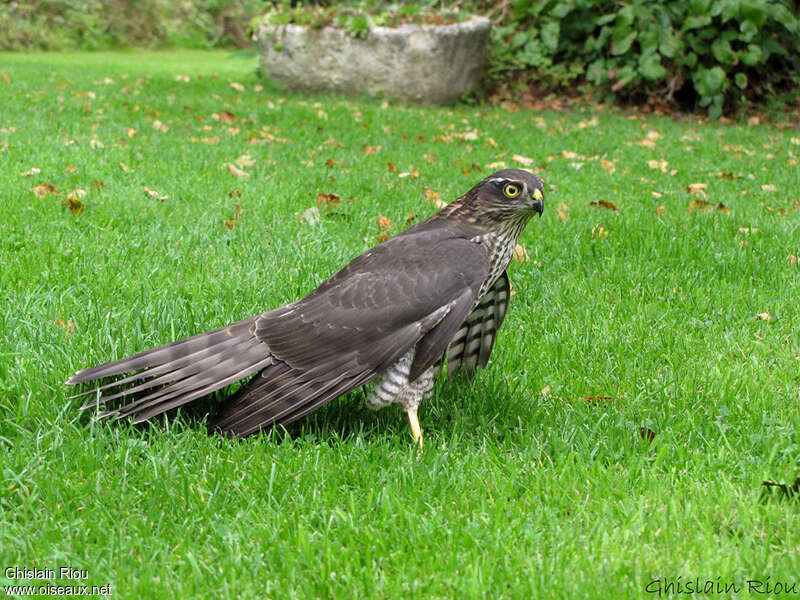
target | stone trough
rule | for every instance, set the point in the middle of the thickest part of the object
(423, 64)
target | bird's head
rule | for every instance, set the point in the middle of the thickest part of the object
(508, 194)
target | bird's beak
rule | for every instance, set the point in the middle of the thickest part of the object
(537, 201)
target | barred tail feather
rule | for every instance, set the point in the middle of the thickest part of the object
(172, 375)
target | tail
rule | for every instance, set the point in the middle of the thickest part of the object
(172, 375)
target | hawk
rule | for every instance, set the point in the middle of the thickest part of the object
(433, 295)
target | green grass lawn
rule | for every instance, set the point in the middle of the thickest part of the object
(538, 479)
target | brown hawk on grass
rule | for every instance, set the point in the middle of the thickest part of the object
(435, 292)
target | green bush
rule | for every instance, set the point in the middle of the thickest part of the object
(718, 52)
(101, 24)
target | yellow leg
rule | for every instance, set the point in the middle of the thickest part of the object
(416, 432)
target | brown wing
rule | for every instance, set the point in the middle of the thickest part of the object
(472, 344)
(356, 324)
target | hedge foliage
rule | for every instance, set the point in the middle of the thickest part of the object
(104, 24)
(716, 54)
(719, 52)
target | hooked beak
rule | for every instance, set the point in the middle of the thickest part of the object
(537, 201)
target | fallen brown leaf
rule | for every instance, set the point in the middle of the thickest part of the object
(608, 166)
(697, 188)
(520, 254)
(330, 163)
(523, 160)
(324, 199)
(391, 167)
(435, 199)
(68, 325)
(647, 434)
(29, 172)
(410, 219)
(227, 116)
(73, 201)
(70, 169)
(603, 204)
(233, 221)
(661, 210)
(124, 167)
(5, 77)
(154, 194)
(159, 126)
(43, 189)
(310, 215)
(597, 399)
(245, 160)
(764, 316)
(703, 206)
(384, 226)
(97, 184)
(237, 172)
(237, 86)
(769, 187)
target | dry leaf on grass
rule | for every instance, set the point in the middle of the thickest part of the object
(603, 204)
(309, 215)
(245, 160)
(703, 206)
(43, 189)
(227, 116)
(324, 199)
(658, 164)
(68, 326)
(29, 172)
(124, 167)
(661, 210)
(237, 172)
(769, 187)
(237, 86)
(520, 254)
(435, 199)
(233, 221)
(159, 126)
(764, 316)
(647, 434)
(384, 226)
(154, 194)
(697, 188)
(73, 201)
(523, 160)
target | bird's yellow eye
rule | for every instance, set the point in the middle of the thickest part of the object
(511, 190)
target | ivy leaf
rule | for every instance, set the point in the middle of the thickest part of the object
(696, 22)
(752, 56)
(722, 51)
(550, 33)
(708, 82)
(741, 80)
(623, 44)
(670, 46)
(650, 67)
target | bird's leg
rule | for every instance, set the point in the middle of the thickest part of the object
(413, 420)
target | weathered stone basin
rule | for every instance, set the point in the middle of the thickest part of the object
(429, 64)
